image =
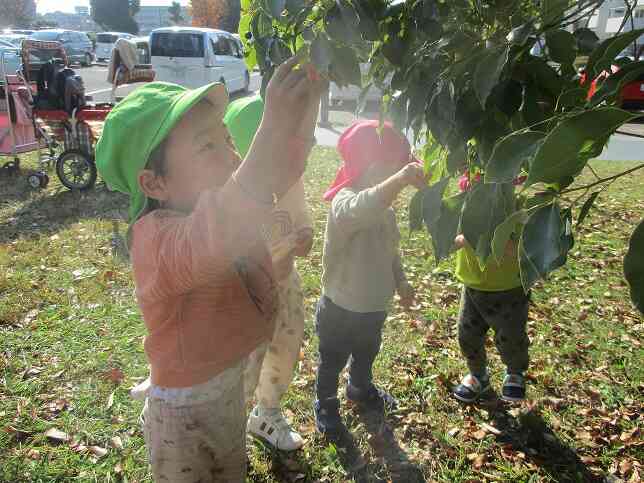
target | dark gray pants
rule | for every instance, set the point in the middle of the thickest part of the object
(346, 335)
(507, 313)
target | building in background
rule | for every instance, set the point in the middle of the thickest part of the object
(82, 11)
(153, 17)
(610, 16)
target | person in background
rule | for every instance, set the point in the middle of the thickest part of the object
(289, 230)
(362, 266)
(492, 297)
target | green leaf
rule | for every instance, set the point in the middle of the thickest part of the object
(294, 7)
(432, 198)
(486, 207)
(345, 66)
(544, 244)
(278, 51)
(587, 40)
(634, 267)
(488, 72)
(552, 11)
(250, 55)
(562, 46)
(416, 212)
(612, 85)
(321, 53)
(546, 77)
(585, 209)
(457, 159)
(572, 98)
(510, 154)
(261, 26)
(275, 7)
(569, 146)
(368, 25)
(604, 55)
(508, 96)
(504, 232)
(519, 35)
(341, 23)
(445, 227)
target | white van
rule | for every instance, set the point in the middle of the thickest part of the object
(193, 57)
(105, 43)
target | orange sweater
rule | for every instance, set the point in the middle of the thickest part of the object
(205, 286)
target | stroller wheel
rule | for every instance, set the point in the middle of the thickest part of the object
(38, 180)
(76, 170)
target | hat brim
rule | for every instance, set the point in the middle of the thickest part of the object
(217, 95)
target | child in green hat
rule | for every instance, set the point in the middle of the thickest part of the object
(290, 234)
(204, 277)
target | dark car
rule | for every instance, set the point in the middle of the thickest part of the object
(77, 45)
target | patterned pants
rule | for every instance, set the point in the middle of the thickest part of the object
(282, 354)
(198, 434)
(505, 312)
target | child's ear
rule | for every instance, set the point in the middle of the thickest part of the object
(152, 185)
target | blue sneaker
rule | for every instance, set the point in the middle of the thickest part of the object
(327, 417)
(471, 388)
(513, 388)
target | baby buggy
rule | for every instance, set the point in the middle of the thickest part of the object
(46, 108)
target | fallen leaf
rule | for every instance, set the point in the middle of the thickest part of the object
(118, 469)
(115, 375)
(491, 429)
(34, 454)
(453, 432)
(478, 460)
(116, 442)
(98, 451)
(56, 435)
(110, 400)
(480, 434)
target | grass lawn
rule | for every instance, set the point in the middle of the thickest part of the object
(71, 347)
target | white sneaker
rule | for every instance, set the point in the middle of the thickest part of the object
(274, 430)
(140, 391)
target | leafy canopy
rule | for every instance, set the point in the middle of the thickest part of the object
(489, 88)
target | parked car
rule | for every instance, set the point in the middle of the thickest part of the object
(10, 57)
(77, 45)
(15, 39)
(18, 32)
(105, 43)
(194, 57)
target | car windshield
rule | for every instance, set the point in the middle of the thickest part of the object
(174, 44)
(45, 35)
(106, 38)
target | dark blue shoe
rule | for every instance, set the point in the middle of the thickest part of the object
(372, 398)
(471, 388)
(327, 417)
(513, 388)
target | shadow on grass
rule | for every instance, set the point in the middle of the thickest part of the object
(529, 433)
(42, 213)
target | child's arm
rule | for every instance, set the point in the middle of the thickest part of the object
(355, 211)
(277, 156)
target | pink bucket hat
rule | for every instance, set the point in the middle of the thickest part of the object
(361, 146)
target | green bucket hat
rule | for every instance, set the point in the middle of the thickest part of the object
(137, 125)
(242, 119)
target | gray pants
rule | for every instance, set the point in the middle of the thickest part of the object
(507, 313)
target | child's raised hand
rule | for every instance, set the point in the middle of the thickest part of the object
(412, 174)
(290, 95)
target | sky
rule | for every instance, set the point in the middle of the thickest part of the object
(45, 6)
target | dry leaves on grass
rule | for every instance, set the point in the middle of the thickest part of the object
(114, 375)
(57, 435)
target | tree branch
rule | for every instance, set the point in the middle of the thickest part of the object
(603, 180)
